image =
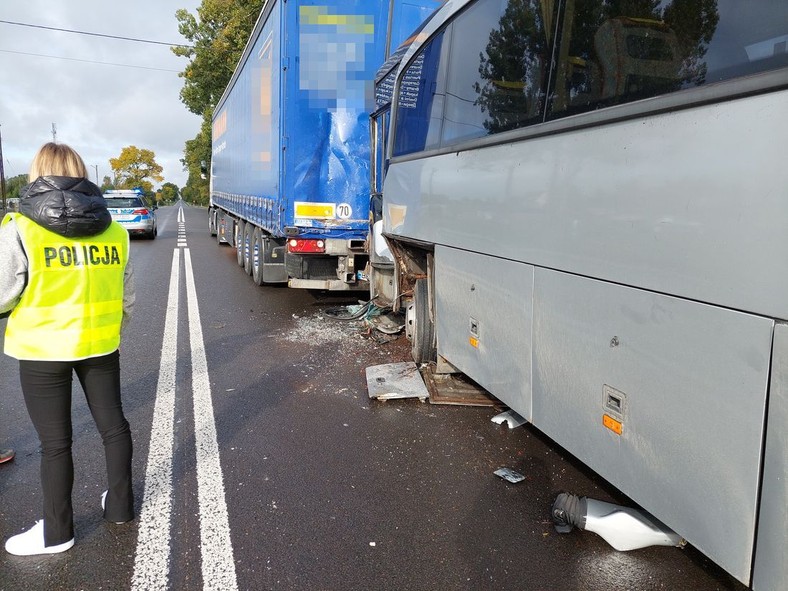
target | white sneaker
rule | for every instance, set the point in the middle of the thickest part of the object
(104, 502)
(31, 543)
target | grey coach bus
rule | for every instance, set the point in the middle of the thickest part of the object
(585, 204)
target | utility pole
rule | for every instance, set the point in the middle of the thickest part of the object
(96, 167)
(54, 132)
(2, 173)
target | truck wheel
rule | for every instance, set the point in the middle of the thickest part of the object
(423, 347)
(257, 256)
(239, 242)
(212, 222)
(221, 228)
(249, 230)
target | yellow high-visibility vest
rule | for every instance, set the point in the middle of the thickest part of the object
(72, 305)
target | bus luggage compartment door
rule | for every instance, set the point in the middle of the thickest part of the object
(771, 568)
(483, 322)
(663, 397)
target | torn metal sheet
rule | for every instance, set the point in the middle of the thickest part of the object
(509, 417)
(396, 380)
(454, 389)
(510, 475)
(387, 323)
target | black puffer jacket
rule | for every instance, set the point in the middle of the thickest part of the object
(71, 207)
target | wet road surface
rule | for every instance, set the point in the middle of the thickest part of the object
(324, 489)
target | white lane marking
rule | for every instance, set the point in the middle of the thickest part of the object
(218, 564)
(181, 228)
(152, 560)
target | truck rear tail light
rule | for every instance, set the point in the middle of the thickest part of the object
(301, 245)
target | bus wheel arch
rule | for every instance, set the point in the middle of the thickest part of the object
(420, 321)
(415, 279)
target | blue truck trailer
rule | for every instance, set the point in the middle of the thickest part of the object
(289, 175)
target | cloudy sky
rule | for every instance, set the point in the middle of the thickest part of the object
(86, 85)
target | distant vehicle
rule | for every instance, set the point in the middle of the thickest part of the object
(12, 204)
(131, 211)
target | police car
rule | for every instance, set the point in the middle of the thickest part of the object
(130, 210)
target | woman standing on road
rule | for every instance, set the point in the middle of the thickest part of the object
(65, 276)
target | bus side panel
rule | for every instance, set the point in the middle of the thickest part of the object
(676, 203)
(663, 397)
(483, 318)
(771, 568)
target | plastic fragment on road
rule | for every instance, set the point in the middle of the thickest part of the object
(396, 380)
(624, 528)
(510, 475)
(509, 417)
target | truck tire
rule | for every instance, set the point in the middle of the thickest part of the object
(212, 222)
(257, 255)
(221, 227)
(249, 230)
(239, 242)
(423, 344)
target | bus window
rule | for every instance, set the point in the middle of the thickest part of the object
(420, 104)
(488, 77)
(613, 53)
(499, 63)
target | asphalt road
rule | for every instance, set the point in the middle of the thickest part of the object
(274, 470)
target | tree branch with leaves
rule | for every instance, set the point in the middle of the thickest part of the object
(136, 167)
(218, 34)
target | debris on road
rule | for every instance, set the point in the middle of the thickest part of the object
(454, 388)
(396, 380)
(509, 417)
(624, 528)
(510, 475)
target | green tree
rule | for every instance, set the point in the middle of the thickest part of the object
(107, 184)
(197, 154)
(136, 167)
(218, 35)
(218, 38)
(168, 193)
(14, 185)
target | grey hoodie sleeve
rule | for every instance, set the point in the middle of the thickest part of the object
(129, 294)
(13, 267)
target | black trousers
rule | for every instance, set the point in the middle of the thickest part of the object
(46, 386)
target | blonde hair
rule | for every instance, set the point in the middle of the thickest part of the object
(57, 160)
